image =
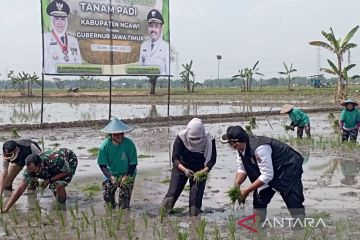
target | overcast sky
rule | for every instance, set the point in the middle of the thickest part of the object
(242, 31)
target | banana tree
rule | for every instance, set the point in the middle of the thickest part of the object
(246, 76)
(187, 74)
(339, 47)
(288, 72)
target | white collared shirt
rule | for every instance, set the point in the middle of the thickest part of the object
(265, 165)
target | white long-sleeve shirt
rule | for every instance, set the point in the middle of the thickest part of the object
(263, 152)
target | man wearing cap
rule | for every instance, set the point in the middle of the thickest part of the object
(14, 154)
(349, 121)
(155, 51)
(59, 46)
(117, 160)
(56, 167)
(298, 118)
(271, 166)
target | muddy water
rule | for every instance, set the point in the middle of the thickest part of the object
(329, 178)
(29, 112)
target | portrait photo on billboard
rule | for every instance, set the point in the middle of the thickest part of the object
(105, 38)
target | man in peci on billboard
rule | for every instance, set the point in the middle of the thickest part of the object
(155, 51)
(59, 46)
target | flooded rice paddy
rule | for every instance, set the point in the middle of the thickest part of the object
(330, 179)
(30, 112)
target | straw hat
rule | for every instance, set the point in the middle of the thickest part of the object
(116, 126)
(349, 100)
(286, 108)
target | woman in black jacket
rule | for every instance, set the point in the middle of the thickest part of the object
(194, 150)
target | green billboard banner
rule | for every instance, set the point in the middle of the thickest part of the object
(106, 37)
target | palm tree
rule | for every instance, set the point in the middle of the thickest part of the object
(186, 74)
(288, 72)
(339, 47)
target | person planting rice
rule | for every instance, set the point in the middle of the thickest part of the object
(194, 153)
(118, 161)
(271, 166)
(299, 119)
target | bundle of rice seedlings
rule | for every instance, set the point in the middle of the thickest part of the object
(335, 124)
(248, 129)
(287, 128)
(200, 176)
(234, 194)
(128, 182)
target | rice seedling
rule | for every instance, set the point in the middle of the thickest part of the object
(331, 116)
(165, 181)
(231, 227)
(248, 129)
(335, 124)
(162, 214)
(94, 227)
(13, 216)
(119, 215)
(55, 145)
(200, 176)
(72, 213)
(141, 156)
(90, 189)
(234, 194)
(182, 235)
(216, 232)
(200, 229)
(14, 133)
(92, 211)
(145, 218)
(44, 236)
(130, 230)
(16, 233)
(93, 151)
(85, 217)
(78, 232)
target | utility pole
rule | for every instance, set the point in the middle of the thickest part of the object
(218, 57)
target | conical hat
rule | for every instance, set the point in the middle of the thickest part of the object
(286, 108)
(349, 100)
(116, 126)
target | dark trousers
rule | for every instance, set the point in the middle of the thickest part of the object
(293, 200)
(352, 134)
(177, 183)
(109, 190)
(300, 131)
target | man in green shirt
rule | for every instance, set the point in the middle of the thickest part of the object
(298, 118)
(117, 160)
(349, 121)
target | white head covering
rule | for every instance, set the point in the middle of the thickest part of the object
(195, 129)
(60, 34)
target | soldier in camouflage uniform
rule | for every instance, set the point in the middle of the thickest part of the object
(56, 168)
(117, 160)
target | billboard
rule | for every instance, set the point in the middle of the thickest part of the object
(106, 37)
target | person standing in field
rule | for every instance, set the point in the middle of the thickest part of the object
(349, 121)
(194, 151)
(272, 166)
(298, 118)
(117, 160)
